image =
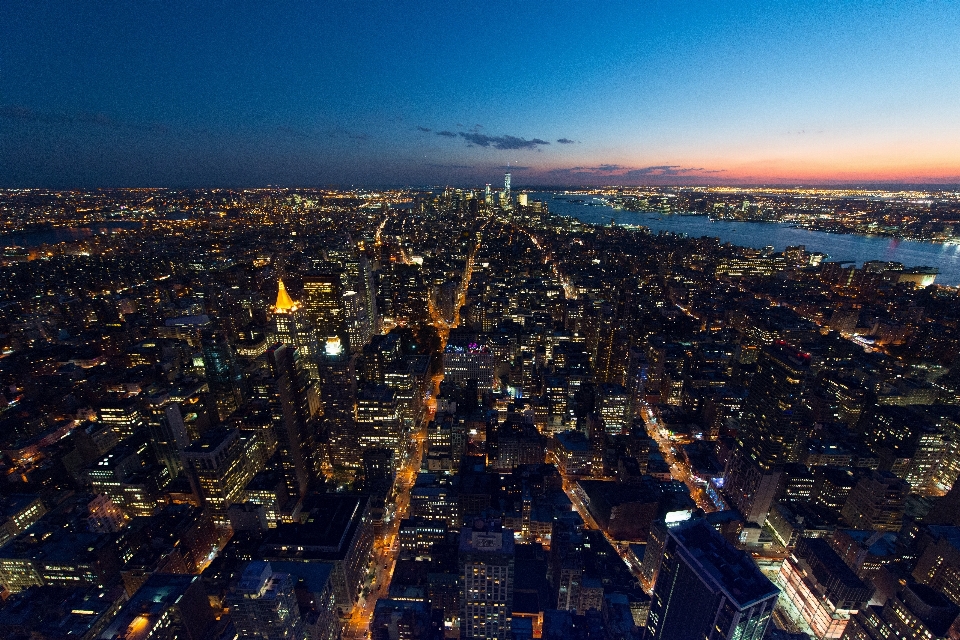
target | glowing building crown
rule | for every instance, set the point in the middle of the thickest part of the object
(284, 302)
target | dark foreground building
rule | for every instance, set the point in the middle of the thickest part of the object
(708, 589)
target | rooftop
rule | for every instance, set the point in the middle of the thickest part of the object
(732, 570)
(495, 542)
(326, 534)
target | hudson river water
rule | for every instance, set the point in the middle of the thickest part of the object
(54, 235)
(843, 247)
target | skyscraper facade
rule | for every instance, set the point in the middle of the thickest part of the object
(323, 302)
(295, 413)
(338, 389)
(219, 468)
(291, 324)
(772, 429)
(168, 433)
(708, 589)
(486, 572)
(772, 432)
(221, 370)
(378, 421)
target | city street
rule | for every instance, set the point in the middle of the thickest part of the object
(679, 469)
(385, 548)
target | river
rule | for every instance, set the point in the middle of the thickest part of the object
(54, 235)
(842, 247)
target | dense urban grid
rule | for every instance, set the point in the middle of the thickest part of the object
(927, 214)
(413, 414)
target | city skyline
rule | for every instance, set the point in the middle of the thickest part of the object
(298, 95)
(480, 321)
(439, 414)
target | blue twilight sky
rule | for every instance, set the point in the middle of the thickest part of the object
(167, 93)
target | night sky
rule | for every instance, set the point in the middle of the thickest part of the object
(207, 93)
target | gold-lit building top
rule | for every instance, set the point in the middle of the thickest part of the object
(284, 302)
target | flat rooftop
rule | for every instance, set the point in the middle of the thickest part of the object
(733, 570)
(326, 534)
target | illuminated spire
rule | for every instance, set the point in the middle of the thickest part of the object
(284, 303)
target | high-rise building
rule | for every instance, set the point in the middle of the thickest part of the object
(447, 299)
(128, 475)
(486, 574)
(408, 379)
(168, 432)
(653, 556)
(219, 468)
(368, 290)
(291, 324)
(832, 486)
(382, 352)
(263, 604)
(471, 361)
(616, 408)
(197, 408)
(378, 423)
(295, 412)
(338, 390)
(947, 420)
(360, 309)
(708, 589)
(379, 469)
(917, 612)
(908, 443)
(938, 566)
(335, 529)
(123, 417)
(825, 591)
(772, 430)
(324, 303)
(17, 513)
(876, 502)
(750, 487)
(221, 370)
(357, 323)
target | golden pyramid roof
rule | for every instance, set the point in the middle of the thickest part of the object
(284, 302)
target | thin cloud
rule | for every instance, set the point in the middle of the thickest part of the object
(600, 170)
(566, 141)
(513, 167)
(667, 170)
(606, 172)
(424, 129)
(475, 138)
(502, 142)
